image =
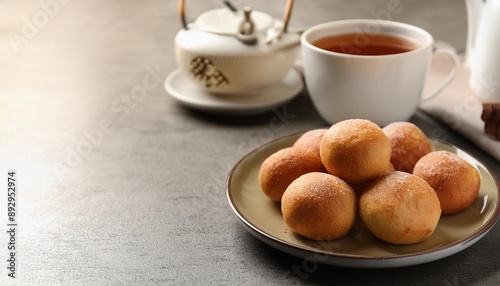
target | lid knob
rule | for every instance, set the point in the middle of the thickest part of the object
(246, 29)
(247, 25)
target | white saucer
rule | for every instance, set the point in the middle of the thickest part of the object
(188, 93)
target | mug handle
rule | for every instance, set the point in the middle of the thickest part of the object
(444, 48)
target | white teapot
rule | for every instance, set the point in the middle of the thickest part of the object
(236, 52)
(483, 48)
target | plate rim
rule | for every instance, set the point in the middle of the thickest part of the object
(349, 260)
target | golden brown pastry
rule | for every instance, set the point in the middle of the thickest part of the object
(311, 140)
(355, 150)
(400, 208)
(455, 180)
(319, 206)
(408, 144)
(360, 187)
(284, 166)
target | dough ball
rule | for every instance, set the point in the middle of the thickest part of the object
(408, 144)
(319, 206)
(400, 208)
(284, 166)
(455, 180)
(311, 140)
(360, 187)
(355, 150)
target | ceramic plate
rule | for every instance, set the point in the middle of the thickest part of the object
(188, 93)
(359, 248)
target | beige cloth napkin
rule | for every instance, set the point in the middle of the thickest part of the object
(457, 106)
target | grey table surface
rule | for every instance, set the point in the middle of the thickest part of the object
(121, 190)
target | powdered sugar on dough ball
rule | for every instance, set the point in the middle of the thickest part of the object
(311, 140)
(284, 166)
(319, 206)
(408, 144)
(400, 208)
(455, 180)
(355, 150)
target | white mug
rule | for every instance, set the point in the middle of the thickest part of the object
(381, 88)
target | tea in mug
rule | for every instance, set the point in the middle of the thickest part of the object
(365, 44)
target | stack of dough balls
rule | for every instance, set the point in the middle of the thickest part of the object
(390, 177)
